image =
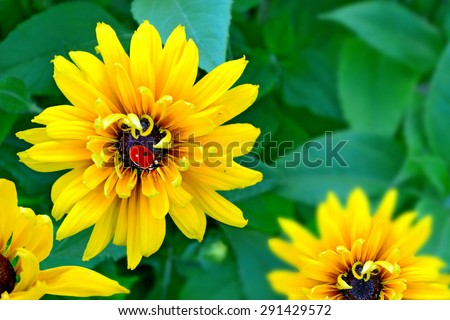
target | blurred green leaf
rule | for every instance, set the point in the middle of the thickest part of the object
(69, 251)
(393, 30)
(15, 97)
(437, 108)
(27, 51)
(244, 5)
(217, 282)
(264, 210)
(206, 24)
(309, 81)
(425, 7)
(440, 237)
(14, 100)
(279, 33)
(262, 70)
(374, 89)
(254, 261)
(339, 163)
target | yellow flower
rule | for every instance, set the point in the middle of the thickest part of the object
(142, 139)
(26, 239)
(359, 256)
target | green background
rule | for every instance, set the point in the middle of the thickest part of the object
(375, 73)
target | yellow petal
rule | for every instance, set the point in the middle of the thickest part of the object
(34, 136)
(8, 210)
(127, 91)
(134, 239)
(215, 205)
(110, 48)
(214, 85)
(60, 185)
(159, 204)
(301, 237)
(50, 166)
(27, 268)
(152, 230)
(232, 140)
(185, 70)
(69, 194)
(103, 232)
(415, 238)
(233, 102)
(95, 73)
(145, 42)
(84, 214)
(148, 185)
(77, 90)
(70, 130)
(93, 176)
(169, 57)
(387, 206)
(120, 234)
(33, 232)
(288, 283)
(223, 177)
(359, 211)
(34, 293)
(64, 113)
(190, 220)
(79, 282)
(59, 151)
(126, 184)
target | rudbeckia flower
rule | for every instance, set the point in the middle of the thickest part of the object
(142, 139)
(26, 239)
(359, 256)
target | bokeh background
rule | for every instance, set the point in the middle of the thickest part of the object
(375, 74)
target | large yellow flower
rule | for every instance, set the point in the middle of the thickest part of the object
(359, 256)
(142, 139)
(25, 240)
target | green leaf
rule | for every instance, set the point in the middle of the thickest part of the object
(69, 251)
(339, 162)
(15, 97)
(393, 30)
(206, 23)
(217, 282)
(438, 242)
(27, 51)
(14, 100)
(254, 262)
(262, 70)
(264, 210)
(279, 33)
(374, 89)
(437, 108)
(308, 81)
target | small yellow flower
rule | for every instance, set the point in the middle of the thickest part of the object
(359, 256)
(26, 239)
(143, 138)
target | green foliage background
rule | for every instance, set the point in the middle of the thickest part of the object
(375, 73)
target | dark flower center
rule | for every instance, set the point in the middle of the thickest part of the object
(139, 153)
(7, 275)
(362, 289)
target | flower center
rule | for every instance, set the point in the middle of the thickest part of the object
(140, 151)
(7, 275)
(361, 287)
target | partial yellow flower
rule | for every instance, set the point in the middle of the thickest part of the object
(359, 256)
(26, 239)
(143, 138)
